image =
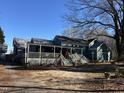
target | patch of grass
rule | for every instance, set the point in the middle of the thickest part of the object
(121, 71)
(103, 70)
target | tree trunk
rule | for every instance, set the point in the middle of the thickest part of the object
(122, 30)
(122, 39)
(118, 45)
(121, 56)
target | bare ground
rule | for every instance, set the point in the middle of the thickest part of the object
(56, 81)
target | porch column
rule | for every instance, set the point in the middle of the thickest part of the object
(26, 54)
(92, 53)
(54, 51)
(82, 51)
(40, 56)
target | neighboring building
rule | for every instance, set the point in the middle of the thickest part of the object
(98, 51)
(3, 50)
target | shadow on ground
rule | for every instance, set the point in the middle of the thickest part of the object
(33, 89)
(93, 68)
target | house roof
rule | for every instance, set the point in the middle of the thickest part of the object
(20, 43)
(94, 46)
(41, 41)
(71, 40)
(90, 40)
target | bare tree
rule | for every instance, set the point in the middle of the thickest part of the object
(106, 14)
(71, 32)
(85, 34)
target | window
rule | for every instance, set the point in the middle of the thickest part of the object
(57, 49)
(78, 51)
(47, 49)
(20, 51)
(34, 48)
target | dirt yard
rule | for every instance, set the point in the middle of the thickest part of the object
(13, 80)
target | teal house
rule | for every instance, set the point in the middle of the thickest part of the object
(38, 51)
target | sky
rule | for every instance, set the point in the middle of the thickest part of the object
(32, 18)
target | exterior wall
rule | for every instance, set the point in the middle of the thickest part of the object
(3, 50)
(72, 44)
(57, 42)
(99, 51)
(92, 55)
(85, 51)
(19, 54)
(103, 53)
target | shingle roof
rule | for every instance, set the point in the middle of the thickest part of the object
(96, 44)
(20, 43)
(41, 41)
(71, 40)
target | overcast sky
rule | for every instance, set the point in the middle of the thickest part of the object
(31, 18)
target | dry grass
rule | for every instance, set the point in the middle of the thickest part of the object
(66, 74)
(52, 81)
